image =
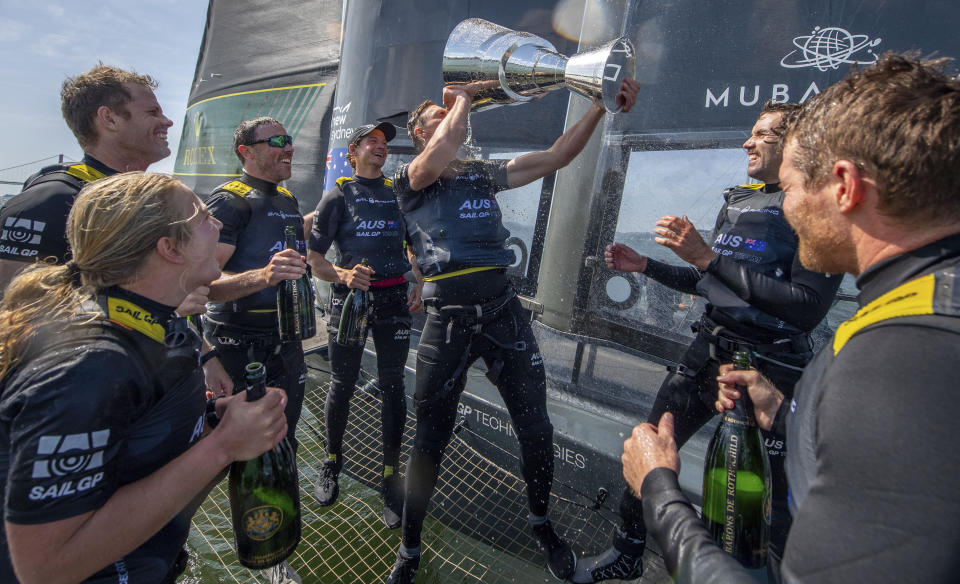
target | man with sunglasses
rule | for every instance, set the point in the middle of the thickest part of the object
(241, 322)
(759, 299)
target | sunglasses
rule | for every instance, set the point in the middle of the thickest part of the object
(276, 141)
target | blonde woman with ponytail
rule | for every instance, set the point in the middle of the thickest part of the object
(101, 393)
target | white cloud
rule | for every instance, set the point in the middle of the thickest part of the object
(50, 45)
(12, 31)
(55, 10)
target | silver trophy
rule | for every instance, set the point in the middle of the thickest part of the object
(510, 67)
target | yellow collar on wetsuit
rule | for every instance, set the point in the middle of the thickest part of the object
(129, 315)
(754, 186)
(241, 189)
(238, 188)
(85, 173)
(914, 298)
(344, 179)
(460, 273)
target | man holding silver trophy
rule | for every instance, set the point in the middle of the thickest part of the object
(454, 222)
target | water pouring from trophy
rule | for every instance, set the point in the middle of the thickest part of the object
(507, 67)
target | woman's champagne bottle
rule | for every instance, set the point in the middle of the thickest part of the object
(352, 331)
(295, 312)
(736, 482)
(265, 496)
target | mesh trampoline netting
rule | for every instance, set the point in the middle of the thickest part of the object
(477, 529)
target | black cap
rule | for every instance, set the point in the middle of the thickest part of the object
(389, 131)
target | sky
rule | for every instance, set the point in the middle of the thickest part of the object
(44, 41)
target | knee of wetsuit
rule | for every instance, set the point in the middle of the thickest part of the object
(390, 378)
(342, 388)
(533, 431)
(432, 443)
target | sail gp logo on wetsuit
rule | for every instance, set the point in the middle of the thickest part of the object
(378, 224)
(70, 455)
(21, 232)
(725, 241)
(739, 241)
(477, 208)
(377, 228)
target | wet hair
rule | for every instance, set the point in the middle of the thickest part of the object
(82, 95)
(243, 135)
(415, 121)
(352, 158)
(899, 122)
(113, 227)
(786, 110)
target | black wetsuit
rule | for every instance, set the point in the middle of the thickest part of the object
(874, 452)
(254, 214)
(760, 299)
(94, 406)
(34, 223)
(456, 229)
(360, 216)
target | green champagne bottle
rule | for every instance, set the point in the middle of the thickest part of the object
(736, 482)
(352, 331)
(295, 312)
(265, 496)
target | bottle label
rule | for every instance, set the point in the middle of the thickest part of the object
(730, 509)
(738, 421)
(262, 523)
(295, 296)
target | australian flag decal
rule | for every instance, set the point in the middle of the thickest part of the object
(337, 166)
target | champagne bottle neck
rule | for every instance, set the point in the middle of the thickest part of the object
(742, 412)
(256, 377)
(256, 390)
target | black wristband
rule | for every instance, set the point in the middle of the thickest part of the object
(213, 353)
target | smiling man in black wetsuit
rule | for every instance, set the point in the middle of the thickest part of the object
(760, 299)
(870, 171)
(242, 321)
(116, 119)
(118, 122)
(361, 217)
(454, 222)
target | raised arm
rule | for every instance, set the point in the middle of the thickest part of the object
(527, 168)
(444, 140)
